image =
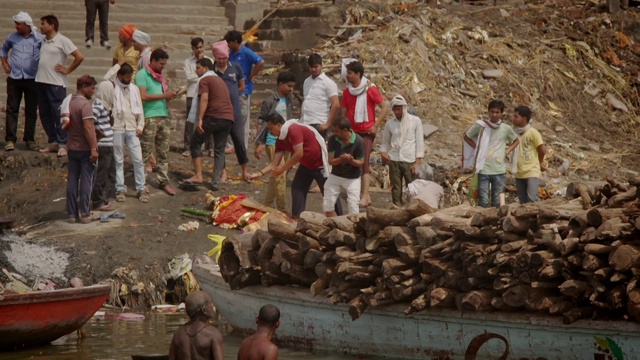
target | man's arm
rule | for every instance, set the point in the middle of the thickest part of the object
(151, 97)
(542, 150)
(271, 353)
(90, 135)
(386, 144)
(190, 72)
(78, 58)
(469, 141)
(217, 348)
(294, 159)
(419, 140)
(513, 145)
(241, 86)
(4, 53)
(277, 157)
(334, 161)
(139, 123)
(204, 99)
(335, 109)
(382, 117)
(256, 69)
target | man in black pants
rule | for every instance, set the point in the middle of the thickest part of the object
(308, 148)
(102, 8)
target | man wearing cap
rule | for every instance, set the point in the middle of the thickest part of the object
(51, 80)
(125, 49)
(197, 47)
(402, 147)
(233, 76)
(102, 8)
(20, 55)
(142, 43)
(251, 64)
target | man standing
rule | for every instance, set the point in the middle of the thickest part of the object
(402, 147)
(213, 112)
(259, 346)
(20, 55)
(102, 8)
(155, 92)
(346, 156)
(51, 81)
(104, 178)
(128, 124)
(197, 47)
(142, 44)
(125, 49)
(321, 102)
(529, 157)
(233, 76)
(251, 64)
(359, 100)
(307, 148)
(486, 148)
(197, 339)
(83, 151)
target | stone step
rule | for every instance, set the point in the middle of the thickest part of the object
(281, 23)
(61, 7)
(78, 37)
(315, 11)
(143, 21)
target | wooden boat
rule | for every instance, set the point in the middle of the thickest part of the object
(40, 317)
(316, 324)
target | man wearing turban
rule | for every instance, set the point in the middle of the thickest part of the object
(125, 49)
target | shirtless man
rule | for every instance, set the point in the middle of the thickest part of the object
(197, 339)
(259, 346)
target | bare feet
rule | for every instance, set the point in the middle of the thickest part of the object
(246, 176)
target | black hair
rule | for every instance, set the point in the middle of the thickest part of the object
(314, 59)
(269, 315)
(356, 67)
(159, 54)
(204, 62)
(196, 41)
(51, 20)
(523, 111)
(233, 35)
(342, 123)
(125, 69)
(274, 118)
(85, 80)
(496, 104)
(285, 77)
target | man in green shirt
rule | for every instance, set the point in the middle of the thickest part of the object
(489, 139)
(155, 93)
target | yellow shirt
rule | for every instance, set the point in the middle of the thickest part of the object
(132, 55)
(528, 162)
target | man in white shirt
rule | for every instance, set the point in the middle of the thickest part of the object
(51, 81)
(197, 47)
(402, 147)
(321, 102)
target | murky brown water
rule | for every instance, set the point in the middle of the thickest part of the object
(111, 339)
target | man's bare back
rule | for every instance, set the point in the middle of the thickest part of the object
(257, 347)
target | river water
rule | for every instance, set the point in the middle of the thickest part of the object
(107, 338)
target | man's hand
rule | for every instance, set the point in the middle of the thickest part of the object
(7, 68)
(122, 60)
(323, 127)
(414, 167)
(277, 171)
(346, 158)
(94, 155)
(199, 128)
(374, 129)
(255, 175)
(61, 69)
(258, 151)
(385, 158)
(170, 95)
(543, 166)
(138, 132)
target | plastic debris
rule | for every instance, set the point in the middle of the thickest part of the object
(189, 226)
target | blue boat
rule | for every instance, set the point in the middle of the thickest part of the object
(313, 323)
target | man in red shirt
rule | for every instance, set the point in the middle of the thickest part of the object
(359, 100)
(307, 148)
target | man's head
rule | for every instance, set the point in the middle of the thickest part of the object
(158, 60)
(355, 72)
(398, 105)
(496, 108)
(342, 128)
(521, 116)
(125, 34)
(269, 316)
(220, 51)
(49, 24)
(315, 65)
(203, 65)
(141, 40)
(23, 23)
(233, 39)
(286, 81)
(199, 304)
(125, 74)
(197, 47)
(86, 86)
(274, 123)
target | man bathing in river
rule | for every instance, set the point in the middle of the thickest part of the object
(259, 346)
(197, 339)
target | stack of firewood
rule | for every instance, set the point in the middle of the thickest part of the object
(578, 258)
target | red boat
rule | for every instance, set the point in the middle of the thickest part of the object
(40, 317)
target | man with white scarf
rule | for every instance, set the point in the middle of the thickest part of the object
(308, 148)
(528, 160)
(128, 124)
(402, 147)
(359, 100)
(485, 149)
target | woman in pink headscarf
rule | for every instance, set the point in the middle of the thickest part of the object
(125, 49)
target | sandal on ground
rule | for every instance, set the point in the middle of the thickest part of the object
(167, 189)
(87, 219)
(121, 197)
(104, 218)
(62, 151)
(117, 215)
(143, 197)
(10, 146)
(52, 148)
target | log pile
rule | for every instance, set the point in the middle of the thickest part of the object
(572, 258)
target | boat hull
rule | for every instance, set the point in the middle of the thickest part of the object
(40, 317)
(315, 324)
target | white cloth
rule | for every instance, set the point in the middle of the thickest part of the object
(111, 73)
(134, 98)
(52, 53)
(317, 93)
(104, 93)
(65, 113)
(425, 190)
(403, 139)
(189, 68)
(474, 158)
(141, 37)
(336, 184)
(192, 117)
(24, 18)
(323, 145)
(361, 114)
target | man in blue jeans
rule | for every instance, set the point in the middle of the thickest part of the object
(488, 140)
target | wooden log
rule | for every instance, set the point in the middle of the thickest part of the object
(582, 191)
(516, 296)
(324, 271)
(418, 304)
(485, 218)
(312, 258)
(258, 238)
(633, 304)
(576, 314)
(575, 288)
(616, 298)
(541, 300)
(409, 254)
(402, 237)
(552, 269)
(400, 292)
(575, 259)
(596, 216)
(246, 277)
(433, 266)
(446, 222)
(613, 229)
(498, 304)
(373, 229)
(515, 225)
(621, 199)
(266, 251)
(603, 274)
(561, 307)
(310, 224)
(617, 277)
(549, 238)
(357, 306)
(513, 246)
(386, 217)
(568, 246)
(624, 257)
(318, 286)
(442, 298)
(283, 231)
(307, 243)
(591, 262)
(598, 249)
(503, 283)
(393, 266)
(588, 235)
(404, 275)
(477, 300)
(298, 272)
(339, 222)
(425, 236)
(339, 237)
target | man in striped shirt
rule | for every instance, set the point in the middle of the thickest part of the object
(104, 179)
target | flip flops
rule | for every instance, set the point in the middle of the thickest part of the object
(104, 218)
(117, 215)
(190, 182)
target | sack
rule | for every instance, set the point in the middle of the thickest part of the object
(473, 193)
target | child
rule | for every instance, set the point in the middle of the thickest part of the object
(529, 156)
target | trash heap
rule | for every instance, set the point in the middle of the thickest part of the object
(576, 258)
